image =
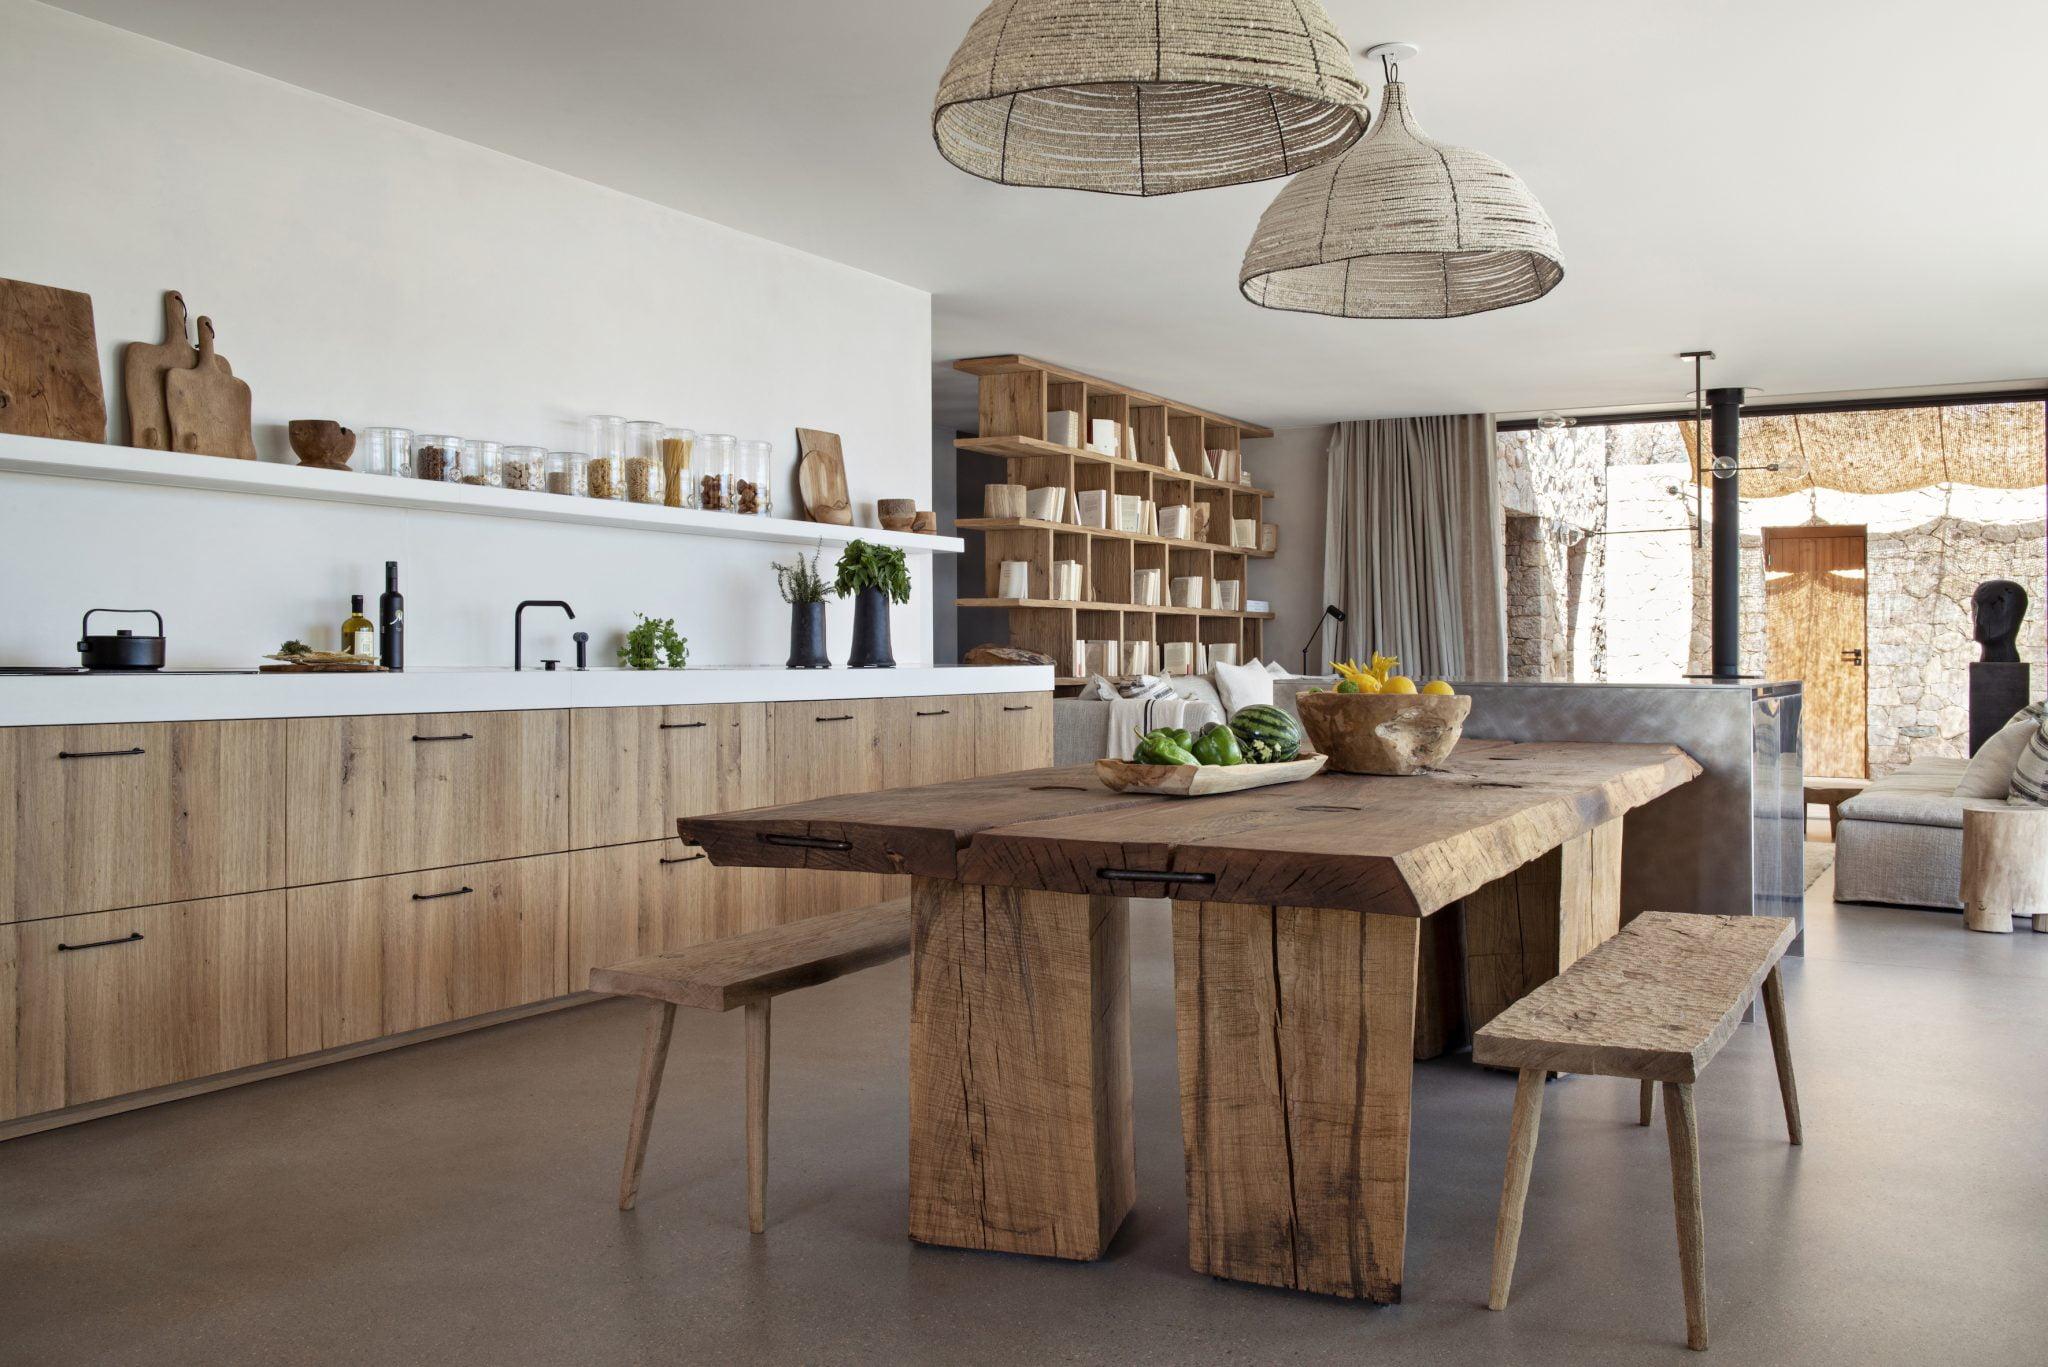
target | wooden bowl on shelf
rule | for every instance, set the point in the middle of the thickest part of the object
(896, 514)
(321, 443)
(1384, 733)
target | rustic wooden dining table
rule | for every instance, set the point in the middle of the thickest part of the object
(1312, 966)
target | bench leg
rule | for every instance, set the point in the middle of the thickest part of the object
(1683, 1128)
(661, 1023)
(757, 1116)
(1781, 1047)
(1514, 1190)
(1646, 1108)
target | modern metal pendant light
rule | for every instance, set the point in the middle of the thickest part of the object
(1402, 226)
(1147, 97)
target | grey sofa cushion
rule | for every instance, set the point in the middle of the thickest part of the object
(1899, 864)
(1921, 794)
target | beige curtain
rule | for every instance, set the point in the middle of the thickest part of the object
(1413, 551)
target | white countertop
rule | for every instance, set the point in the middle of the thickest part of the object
(83, 699)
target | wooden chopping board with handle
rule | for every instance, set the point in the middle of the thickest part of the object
(144, 368)
(49, 364)
(209, 408)
(821, 477)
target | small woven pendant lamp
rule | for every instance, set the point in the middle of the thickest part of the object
(1401, 226)
(1147, 97)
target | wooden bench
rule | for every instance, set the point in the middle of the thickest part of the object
(1655, 1003)
(751, 971)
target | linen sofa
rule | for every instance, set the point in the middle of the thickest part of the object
(1900, 841)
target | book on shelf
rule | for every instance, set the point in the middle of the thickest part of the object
(1244, 531)
(1137, 657)
(1047, 504)
(1106, 436)
(1099, 657)
(1091, 506)
(1223, 594)
(1013, 579)
(1063, 427)
(1130, 513)
(1145, 588)
(1066, 580)
(1222, 654)
(1177, 521)
(1187, 591)
(1181, 658)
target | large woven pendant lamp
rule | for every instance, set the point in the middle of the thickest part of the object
(1402, 226)
(1147, 97)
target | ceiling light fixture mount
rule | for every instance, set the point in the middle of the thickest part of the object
(1148, 97)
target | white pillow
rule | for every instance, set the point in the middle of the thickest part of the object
(1241, 686)
(2030, 774)
(1990, 770)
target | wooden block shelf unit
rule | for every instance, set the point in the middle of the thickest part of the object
(1017, 394)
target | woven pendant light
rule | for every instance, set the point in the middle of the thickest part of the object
(1401, 226)
(1147, 97)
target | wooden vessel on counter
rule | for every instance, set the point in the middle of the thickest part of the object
(1384, 733)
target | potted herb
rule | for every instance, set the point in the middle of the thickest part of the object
(654, 644)
(875, 576)
(804, 591)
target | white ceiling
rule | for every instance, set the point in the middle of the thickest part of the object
(1828, 192)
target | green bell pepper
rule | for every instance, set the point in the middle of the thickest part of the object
(1161, 748)
(1217, 745)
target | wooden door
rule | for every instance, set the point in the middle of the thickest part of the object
(94, 1006)
(627, 901)
(639, 768)
(928, 740)
(1014, 732)
(823, 749)
(1815, 591)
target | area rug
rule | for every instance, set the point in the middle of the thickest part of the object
(1820, 857)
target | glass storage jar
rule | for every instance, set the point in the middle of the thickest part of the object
(676, 488)
(643, 462)
(564, 472)
(480, 461)
(522, 467)
(386, 451)
(437, 457)
(712, 465)
(603, 471)
(750, 486)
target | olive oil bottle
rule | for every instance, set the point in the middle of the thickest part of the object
(358, 633)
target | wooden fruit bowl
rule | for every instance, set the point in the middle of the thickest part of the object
(1384, 733)
(1203, 780)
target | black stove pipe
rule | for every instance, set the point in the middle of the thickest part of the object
(1726, 564)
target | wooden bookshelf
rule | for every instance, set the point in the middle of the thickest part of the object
(1018, 393)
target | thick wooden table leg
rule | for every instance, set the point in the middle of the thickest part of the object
(1525, 929)
(1020, 1070)
(1296, 1037)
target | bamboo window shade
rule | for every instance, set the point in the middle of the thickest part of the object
(1147, 97)
(1402, 226)
(1889, 450)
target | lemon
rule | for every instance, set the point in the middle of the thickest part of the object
(1400, 683)
(1439, 688)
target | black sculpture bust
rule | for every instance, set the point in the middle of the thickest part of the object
(1998, 607)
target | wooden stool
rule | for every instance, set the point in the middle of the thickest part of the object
(2005, 866)
(1655, 1003)
(750, 971)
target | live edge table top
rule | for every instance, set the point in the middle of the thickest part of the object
(1399, 846)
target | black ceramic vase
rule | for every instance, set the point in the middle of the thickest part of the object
(807, 636)
(871, 648)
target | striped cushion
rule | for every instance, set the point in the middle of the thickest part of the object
(2030, 774)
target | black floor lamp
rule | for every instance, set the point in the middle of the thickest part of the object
(1328, 612)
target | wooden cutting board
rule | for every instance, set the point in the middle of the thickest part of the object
(821, 477)
(49, 364)
(144, 366)
(209, 407)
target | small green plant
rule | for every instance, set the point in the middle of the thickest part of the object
(653, 641)
(866, 566)
(295, 648)
(799, 581)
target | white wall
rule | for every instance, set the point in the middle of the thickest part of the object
(367, 270)
(1294, 463)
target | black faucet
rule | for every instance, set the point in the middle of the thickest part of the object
(582, 640)
(519, 622)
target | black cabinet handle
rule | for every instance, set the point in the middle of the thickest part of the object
(847, 717)
(423, 739)
(1152, 876)
(437, 896)
(942, 712)
(685, 858)
(1026, 707)
(682, 725)
(96, 754)
(127, 939)
(804, 842)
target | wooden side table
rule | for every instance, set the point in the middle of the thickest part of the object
(1832, 793)
(2005, 867)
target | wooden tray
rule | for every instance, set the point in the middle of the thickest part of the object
(1203, 780)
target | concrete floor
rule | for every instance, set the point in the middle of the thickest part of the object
(453, 1202)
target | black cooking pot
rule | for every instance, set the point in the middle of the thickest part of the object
(124, 649)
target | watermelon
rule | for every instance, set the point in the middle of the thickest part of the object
(1266, 734)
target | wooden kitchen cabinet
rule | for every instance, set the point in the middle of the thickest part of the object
(392, 794)
(381, 956)
(94, 1006)
(928, 740)
(823, 749)
(1014, 732)
(628, 901)
(636, 769)
(121, 816)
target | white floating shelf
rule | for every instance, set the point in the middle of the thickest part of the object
(175, 470)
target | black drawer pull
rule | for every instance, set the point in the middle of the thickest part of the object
(96, 754)
(127, 939)
(682, 725)
(423, 739)
(685, 858)
(1026, 707)
(942, 712)
(847, 717)
(437, 896)
(1152, 876)
(803, 842)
